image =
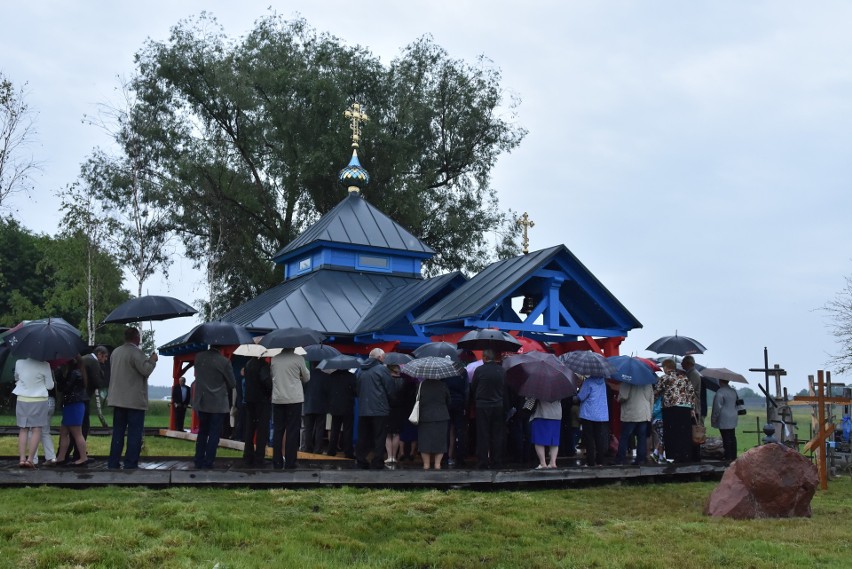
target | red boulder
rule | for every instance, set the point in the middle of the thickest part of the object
(769, 481)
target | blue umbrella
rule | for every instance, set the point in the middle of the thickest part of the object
(631, 370)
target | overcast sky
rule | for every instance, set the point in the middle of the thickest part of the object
(695, 156)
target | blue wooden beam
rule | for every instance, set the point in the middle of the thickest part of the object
(523, 327)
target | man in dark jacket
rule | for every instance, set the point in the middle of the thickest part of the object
(488, 392)
(258, 397)
(375, 386)
(314, 410)
(341, 406)
(181, 398)
(211, 399)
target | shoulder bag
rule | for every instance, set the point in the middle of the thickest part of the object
(414, 418)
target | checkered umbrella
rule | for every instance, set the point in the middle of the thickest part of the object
(589, 364)
(430, 367)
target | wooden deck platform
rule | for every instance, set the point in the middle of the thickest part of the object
(179, 471)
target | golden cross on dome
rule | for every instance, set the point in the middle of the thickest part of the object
(357, 116)
(526, 223)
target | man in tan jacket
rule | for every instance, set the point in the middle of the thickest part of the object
(128, 396)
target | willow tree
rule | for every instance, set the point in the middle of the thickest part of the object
(247, 137)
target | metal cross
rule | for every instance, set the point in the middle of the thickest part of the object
(526, 223)
(355, 114)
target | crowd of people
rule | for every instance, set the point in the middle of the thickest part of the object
(364, 416)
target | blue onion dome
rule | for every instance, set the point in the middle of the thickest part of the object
(354, 176)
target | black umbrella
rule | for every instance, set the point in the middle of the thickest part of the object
(149, 307)
(45, 340)
(292, 338)
(677, 345)
(218, 333)
(319, 352)
(540, 375)
(489, 339)
(339, 362)
(438, 350)
(396, 359)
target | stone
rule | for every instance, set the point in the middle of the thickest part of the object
(769, 481)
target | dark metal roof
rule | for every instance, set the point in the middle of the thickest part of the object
(397, 302)
(485, 292)
(354, 221)
(330, 301)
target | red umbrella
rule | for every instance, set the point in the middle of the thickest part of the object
(529, 345)
(650, 363)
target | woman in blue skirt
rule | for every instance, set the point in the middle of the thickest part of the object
(545, 424)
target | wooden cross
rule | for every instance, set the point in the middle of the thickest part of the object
(824, 430)
(526, 223)
(357, 116)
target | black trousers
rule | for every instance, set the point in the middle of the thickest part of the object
(729, 443)
(340, 435)
(677, 426)
(256, 432)
(490, 436)
(180, 416)
(595, 436)
(286, 420)
(372, 432)
(313, 432)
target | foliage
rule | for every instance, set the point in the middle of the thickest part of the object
(46, 277)
(641, 526)
(839, 314)
(17, 133)
(243, 141)
(138, 230)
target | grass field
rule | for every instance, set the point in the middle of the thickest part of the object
(617, 526)
(624, 526)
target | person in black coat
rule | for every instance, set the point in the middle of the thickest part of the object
(433, 426)
(181, 398)
(489, 394)
(258, 398)
(93, 364)
(314, 410)
(340, 387)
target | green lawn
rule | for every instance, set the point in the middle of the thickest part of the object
(657, 525)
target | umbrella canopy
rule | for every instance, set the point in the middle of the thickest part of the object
(677, 346)
(397, 359)
(652, 365)
(319, 352)
(632, 370)
(339, 362)
(292, 338)
(588, 363)
(530, 345)
(430, 367)
(540, 375)
(719, 373)
(489, 339)
(149, 307)
(256, 351)
(438, 350)
(218, 333)
(45, 340)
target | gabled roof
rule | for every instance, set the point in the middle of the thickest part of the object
(354, 221)
(583, 295)
(330, 301)
(395, 303)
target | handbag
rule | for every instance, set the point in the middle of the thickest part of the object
(741, 408)
(699, 432)
(414, 418)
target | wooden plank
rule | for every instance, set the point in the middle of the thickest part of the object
(245, 477)
(815, 442)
